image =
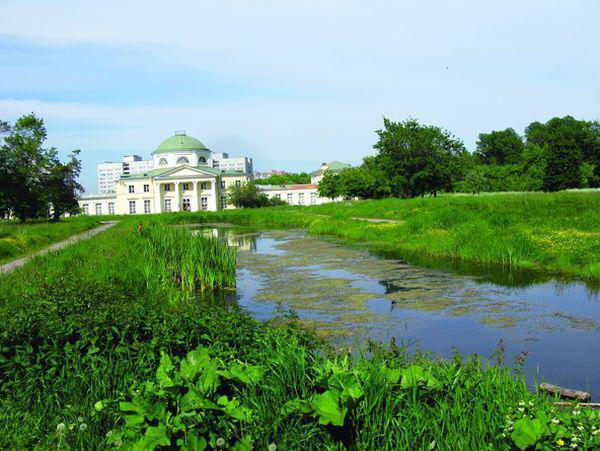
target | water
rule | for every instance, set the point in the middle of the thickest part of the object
(350, 295)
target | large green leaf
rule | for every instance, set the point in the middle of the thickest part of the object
(208, 380)
(163, 373)
(415, 376)
(348, 385)
(247, 374)
(194, 364)
(528, 432)
(194, 401)
(154, 437)
(327, 408)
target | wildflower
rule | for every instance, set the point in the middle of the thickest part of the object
(108, 434)
(555, 420)
(596, 432)
(272, 447)
(220, 442)
(576, 412)
(60, 427)
(580, 427)
(573, 445)
(82, 427)
(560, 442)
(99, 406)
(530, 404)
(521, 409)
(521, 403)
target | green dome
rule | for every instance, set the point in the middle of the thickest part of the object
(180, 141)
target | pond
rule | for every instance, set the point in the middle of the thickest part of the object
(349, 295)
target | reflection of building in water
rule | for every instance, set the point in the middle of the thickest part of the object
(246, 242)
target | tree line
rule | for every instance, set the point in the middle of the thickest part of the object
(34, 183)
(414, 159)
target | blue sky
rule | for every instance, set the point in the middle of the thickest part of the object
(291, 83)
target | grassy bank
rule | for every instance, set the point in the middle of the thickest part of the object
(98, 347)
(18, 239)
(558, 234)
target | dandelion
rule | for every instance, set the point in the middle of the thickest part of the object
(220, 442)
(272, 447)
(60, 427)
(80, 419)
(82, 427)
(560, 442)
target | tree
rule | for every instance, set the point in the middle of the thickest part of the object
(247, 195)
(284, 179)
(330, 185)
(31, 176)
(568, 142)
(500, 147)
(417, 159)
(62, 186)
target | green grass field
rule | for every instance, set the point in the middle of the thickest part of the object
(556, 234)
(101, 346)
(18, 239)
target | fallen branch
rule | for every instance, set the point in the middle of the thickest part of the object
(566, 392)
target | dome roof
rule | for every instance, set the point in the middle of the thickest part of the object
(180, 141)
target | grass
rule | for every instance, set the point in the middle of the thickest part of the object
(18, 239)
(100, 347)
(554, 235)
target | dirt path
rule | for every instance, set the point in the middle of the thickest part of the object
(378, 220)
(8, 267)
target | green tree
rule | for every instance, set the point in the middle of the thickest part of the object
(62, 187)
(330, 185)
(568, 142)
(284, 179)
(247, 195)
(418, 159)
(500, 147)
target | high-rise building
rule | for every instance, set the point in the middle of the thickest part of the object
(109, 172)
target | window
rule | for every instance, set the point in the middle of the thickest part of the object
(182, 160)
(86, 209)
(223, 184)
(300, 198)
(163, 162)
(201, 160)
(147, 206)
(290, 198)
(223, 202)
(186, 186)
(238, 183)
(167, 204)
(313, 198)
(131, 189)
(203, 185)
(132, 207)
(146, 188)
(98, 209)
(111, 208)
(167, 187)
(277, 196)
(187, 204)
(204, 203)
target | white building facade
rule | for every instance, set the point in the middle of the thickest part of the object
(179, 179)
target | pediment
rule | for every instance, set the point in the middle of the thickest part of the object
(185, 171)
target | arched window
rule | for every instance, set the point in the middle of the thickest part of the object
(163, 162)
(201, 160)
(182, 160)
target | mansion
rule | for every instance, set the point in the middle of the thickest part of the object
(183, 175)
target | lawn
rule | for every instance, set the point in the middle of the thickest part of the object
(556, 234)
(116, 341)
(18, 239)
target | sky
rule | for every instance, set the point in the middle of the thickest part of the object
(291, 83)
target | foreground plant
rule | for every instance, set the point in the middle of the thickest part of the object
(191, 404)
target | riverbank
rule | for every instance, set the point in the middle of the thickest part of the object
(110, 353)
(557, 234)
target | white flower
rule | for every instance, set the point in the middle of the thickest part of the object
(573, 445)
(82, 427)
(272, 447)
(60, 427)
(220, 442)
(530, 404)
(521, 403)
(580, 428)
(555, 420)
(576, 412)
(521, 409)
(109, 433)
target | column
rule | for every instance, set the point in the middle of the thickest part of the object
(177, 203)
(158, 207)
(194, 200)
(214, 199)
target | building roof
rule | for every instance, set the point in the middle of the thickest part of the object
(179, 142)
(334, 166)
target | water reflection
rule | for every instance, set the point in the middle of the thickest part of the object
(349, 295)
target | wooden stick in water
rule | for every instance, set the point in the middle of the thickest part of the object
(566, 392)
